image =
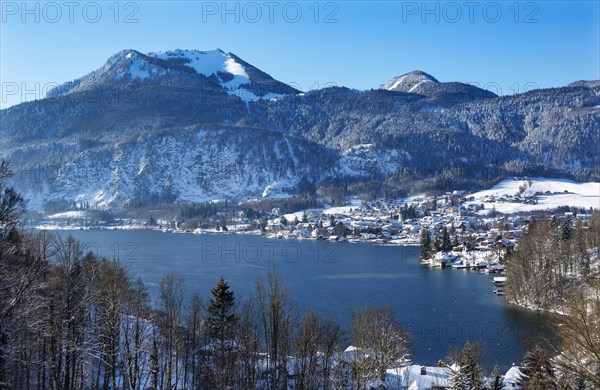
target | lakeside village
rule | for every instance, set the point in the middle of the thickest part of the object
(453, 230)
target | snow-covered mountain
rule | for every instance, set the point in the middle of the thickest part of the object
(186, 165)
(186, 126)
(409, 81)
(184, 68)
(421, 83)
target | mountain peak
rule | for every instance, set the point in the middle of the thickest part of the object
(192, 68)
(408, 82)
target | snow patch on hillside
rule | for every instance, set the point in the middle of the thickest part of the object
(355, 203)
(75, 214)
(137, 70)
(551, 193)
(232, 75)
(208, 63)
(364, 159)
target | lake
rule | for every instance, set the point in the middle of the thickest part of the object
(441, 308)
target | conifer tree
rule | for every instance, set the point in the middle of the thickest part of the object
(446, 244)
(470, 366)
(455, 242)
(537, 371)
(437, 244)
(459, 378)
(425, 244)
(495, 379)
(581, 253)
(221, 326)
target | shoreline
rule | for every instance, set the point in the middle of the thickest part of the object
(270, 235)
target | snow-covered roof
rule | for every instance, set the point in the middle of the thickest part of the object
(411, 377)
(352, 354)
(511, 378)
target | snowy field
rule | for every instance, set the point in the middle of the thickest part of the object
(75, 214)
(355, 203)
(577, 195)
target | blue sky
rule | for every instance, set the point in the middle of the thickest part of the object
(504, 46)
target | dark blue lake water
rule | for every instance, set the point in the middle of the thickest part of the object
(441, 308)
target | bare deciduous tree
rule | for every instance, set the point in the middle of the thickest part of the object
(579, 330)
(195, 322)
(276, 313)
(112, 290)
(315, 347)
(170, 321)
(248, 340)
(381, 339)
(137, 334)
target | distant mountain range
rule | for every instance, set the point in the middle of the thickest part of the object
(188, 126)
